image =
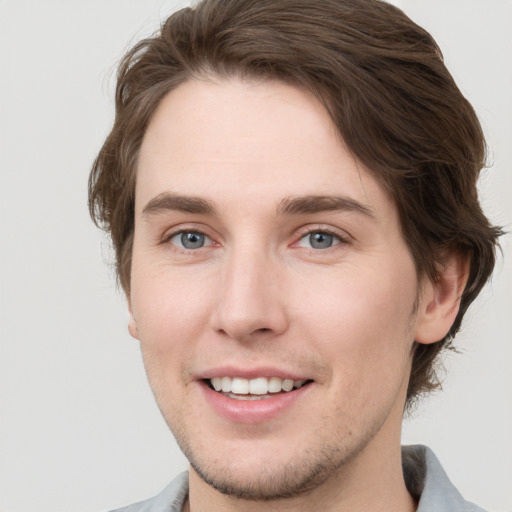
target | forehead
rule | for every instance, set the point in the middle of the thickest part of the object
(232, 140)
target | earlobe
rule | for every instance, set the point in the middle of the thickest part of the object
(133, 329)
(441, 300)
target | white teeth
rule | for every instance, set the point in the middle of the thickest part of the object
(226, 384)
(239, 386)
(217, 383)
(287, 384)
(258, 386)
(274, 385)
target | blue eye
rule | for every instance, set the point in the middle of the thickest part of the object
(319, 240)
(190, 240)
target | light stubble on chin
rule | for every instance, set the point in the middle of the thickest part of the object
(308, 470)
(295, 479)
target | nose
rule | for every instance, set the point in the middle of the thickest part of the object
(251, 298)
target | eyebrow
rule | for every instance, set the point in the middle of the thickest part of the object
(315, 204)
(187, 204)
(302, 205)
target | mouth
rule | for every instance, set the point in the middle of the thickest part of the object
(259, 388)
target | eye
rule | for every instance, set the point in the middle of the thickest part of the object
(319, 240)
(190, 240)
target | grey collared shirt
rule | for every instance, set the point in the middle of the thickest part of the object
(424, 476)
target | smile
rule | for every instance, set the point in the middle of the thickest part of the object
(255, 398)
(239, 388)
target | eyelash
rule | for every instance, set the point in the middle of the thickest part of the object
(339, 239)
(168, 239)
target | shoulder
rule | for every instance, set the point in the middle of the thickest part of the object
(170, 499)
(427, 481)
(424, 476)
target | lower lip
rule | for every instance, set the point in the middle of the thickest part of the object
(252, 411)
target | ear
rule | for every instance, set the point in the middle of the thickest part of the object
(440, 300)
(133, 329)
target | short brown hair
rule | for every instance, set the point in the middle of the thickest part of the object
(383, 81)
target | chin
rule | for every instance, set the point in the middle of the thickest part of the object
(264, 474)
(266, 484)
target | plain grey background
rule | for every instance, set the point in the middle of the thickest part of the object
(78, 425)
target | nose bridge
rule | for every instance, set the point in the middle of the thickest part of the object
(249, 298)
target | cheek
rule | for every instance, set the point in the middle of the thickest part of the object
(167, 304)
(169, 328)
(361, 321)
(171, 314)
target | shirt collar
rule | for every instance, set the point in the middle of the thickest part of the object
(428, 483)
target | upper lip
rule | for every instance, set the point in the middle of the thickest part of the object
(250, 373)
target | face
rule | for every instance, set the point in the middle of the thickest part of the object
(271, 290)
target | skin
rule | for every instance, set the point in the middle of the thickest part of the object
(258, 294)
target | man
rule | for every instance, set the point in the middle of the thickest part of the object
(290, 187)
